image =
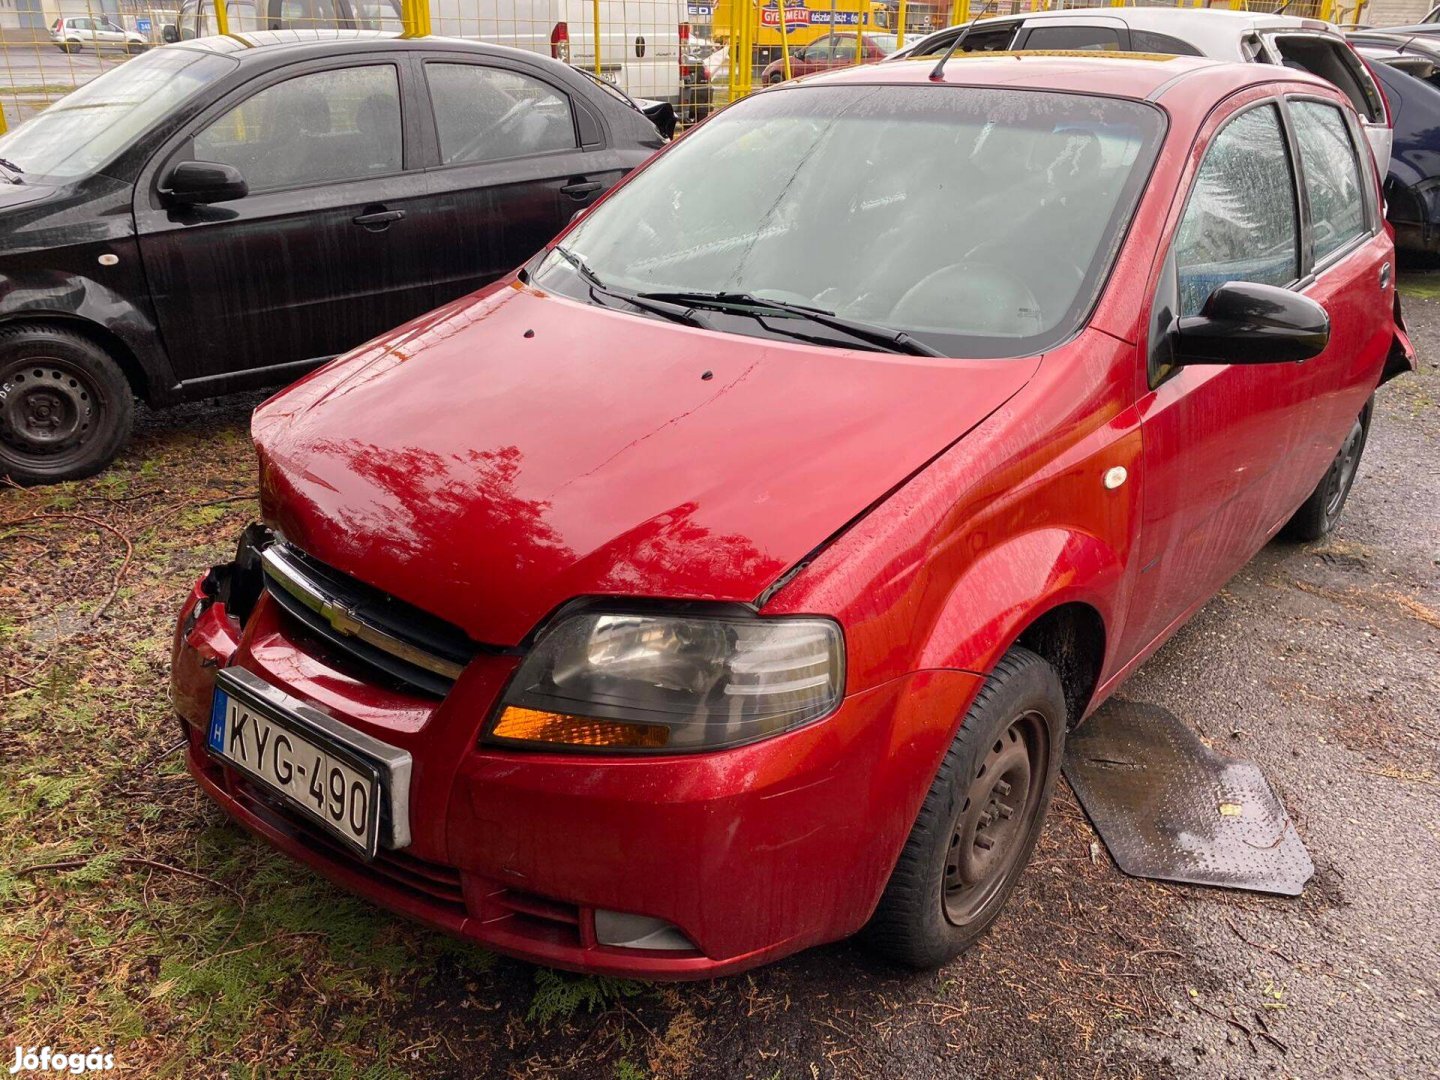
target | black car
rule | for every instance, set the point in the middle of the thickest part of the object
(225, 213)
(1412, 185)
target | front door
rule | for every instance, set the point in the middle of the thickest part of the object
(319, 256)
(1217, 438)
(511, 169)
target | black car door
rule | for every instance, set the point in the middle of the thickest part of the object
(321, 255)
(516, 153)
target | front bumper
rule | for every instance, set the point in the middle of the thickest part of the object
(752, 853)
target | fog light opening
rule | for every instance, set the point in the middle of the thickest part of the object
(622, 931)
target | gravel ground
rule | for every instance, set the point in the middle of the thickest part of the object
(149, 926)
(1322, 663)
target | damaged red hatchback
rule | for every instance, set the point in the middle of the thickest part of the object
(724, 581)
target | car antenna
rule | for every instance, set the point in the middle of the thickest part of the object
(939, 72)
(1281, 9)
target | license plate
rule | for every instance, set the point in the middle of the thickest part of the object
(333, 786)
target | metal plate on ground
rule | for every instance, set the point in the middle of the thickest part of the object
(1169, 807)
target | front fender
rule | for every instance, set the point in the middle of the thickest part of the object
(67, 296)
(1010, 587)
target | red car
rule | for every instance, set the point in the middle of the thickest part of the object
(724, 581)
(835, 50)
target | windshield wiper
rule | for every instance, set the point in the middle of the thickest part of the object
(884, 337)
(675, 312)
(12, 167)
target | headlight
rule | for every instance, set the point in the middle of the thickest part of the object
(666, 683)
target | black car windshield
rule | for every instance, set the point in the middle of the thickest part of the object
(978, 221)
(84, 130)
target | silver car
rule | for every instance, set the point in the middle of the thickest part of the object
(1244, 36)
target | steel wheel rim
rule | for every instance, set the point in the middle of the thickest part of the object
(998, 811)
(48, 411)
(1342, 470)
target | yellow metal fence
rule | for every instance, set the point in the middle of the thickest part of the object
(700, 54)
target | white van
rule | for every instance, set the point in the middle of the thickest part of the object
(639, 39)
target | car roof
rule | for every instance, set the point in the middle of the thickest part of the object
(323, 42)
(1214, 32)
(1140, 76)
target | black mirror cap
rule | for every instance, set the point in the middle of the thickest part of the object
(194, 182)
(1244, 322)
(169, 34)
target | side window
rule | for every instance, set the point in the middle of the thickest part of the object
(491, 114)
(817, 53)
(1147, 41)
(312, 129)
(1332, 176)
(1084, 38)
(1241, 222)
(995, 39)
(844, 50)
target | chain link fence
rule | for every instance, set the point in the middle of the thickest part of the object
(698, 54)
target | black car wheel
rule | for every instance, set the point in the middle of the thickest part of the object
(65, 407)
(776, 78)
(1320, 513)
(980, 819)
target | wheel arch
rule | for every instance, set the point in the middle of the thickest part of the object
(97, 334)
(1056, 592)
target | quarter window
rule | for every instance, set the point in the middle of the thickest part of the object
(1147, 41)
(1332, 176)
(313, 129)
(1241, 223)
(491, 114)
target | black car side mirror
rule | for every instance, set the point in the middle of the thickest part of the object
(169, 34)
(191, 183)
(1244, 322)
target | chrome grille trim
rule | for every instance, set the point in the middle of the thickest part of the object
(343, 621)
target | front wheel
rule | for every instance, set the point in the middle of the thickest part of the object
(980, 819)
(65, 407)
(1319, 514)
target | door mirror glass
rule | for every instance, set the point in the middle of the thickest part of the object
(192, 183)
(1245, 322)
(169, 34)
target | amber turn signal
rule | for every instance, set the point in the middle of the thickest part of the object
(536, 726)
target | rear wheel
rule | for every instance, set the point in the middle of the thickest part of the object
(980, 819)
(65, 407)
(1320, 513)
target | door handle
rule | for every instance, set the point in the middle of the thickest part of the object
(1384, 276)
(381, 218)
(578, 189)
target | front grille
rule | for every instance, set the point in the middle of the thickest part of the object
(534, 916)
(366, 624)
(436, 885)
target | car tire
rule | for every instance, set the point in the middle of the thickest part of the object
(1319, 514)
(947, 887)
(65, 406)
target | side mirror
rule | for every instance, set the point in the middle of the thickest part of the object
(191, 183)
(1244, 322)
(169, 34)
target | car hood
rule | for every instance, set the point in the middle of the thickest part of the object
(515, 450)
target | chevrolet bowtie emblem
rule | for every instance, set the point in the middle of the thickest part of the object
(341, 619)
